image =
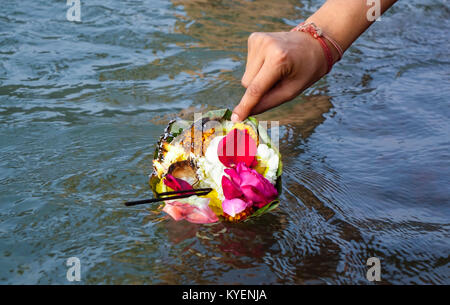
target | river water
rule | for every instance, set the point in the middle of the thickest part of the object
(82, 104)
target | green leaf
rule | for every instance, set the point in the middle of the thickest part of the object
(267, 208)
(227, 114)
(218, 115)
(280, 166)
(273, 206)
(154, 180)
(278, 185)
(178, 126)
(253, 120)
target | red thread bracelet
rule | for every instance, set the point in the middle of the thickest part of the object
(317, 33)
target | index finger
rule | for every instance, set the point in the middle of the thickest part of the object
(263, 82)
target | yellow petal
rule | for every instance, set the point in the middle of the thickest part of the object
(251, 131)
(215, 203)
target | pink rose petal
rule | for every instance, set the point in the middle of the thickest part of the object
(248, 185)
(234, 206)
(177, 210)
(202, 216)
(252, 194)
(199, 213)
(233, 175)
(230, 189)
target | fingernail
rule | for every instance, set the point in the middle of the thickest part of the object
(234, 118)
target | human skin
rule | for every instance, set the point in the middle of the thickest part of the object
(281, 65)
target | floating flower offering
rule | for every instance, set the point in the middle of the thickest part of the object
(237, 162)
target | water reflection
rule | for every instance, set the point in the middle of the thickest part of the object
(300, 117)
(226, 24)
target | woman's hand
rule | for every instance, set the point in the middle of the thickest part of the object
(279, 67)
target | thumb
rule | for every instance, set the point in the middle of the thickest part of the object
(263, 82)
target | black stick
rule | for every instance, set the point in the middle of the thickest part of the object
(153, 200)
(193, 191)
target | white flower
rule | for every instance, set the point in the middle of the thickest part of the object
(210, 169)
(270, 159)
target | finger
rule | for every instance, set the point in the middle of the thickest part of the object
(281, 93)
(255, 60)
(262, 82)
(251, 70)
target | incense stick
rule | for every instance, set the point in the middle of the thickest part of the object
(165, 196)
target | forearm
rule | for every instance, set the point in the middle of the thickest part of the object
(346, 20)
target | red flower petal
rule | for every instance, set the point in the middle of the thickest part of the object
(237, 147)
(176, 184)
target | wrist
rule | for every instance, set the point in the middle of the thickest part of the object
(335, 32)
(335, 53)
(332, 39)
(331, 49)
